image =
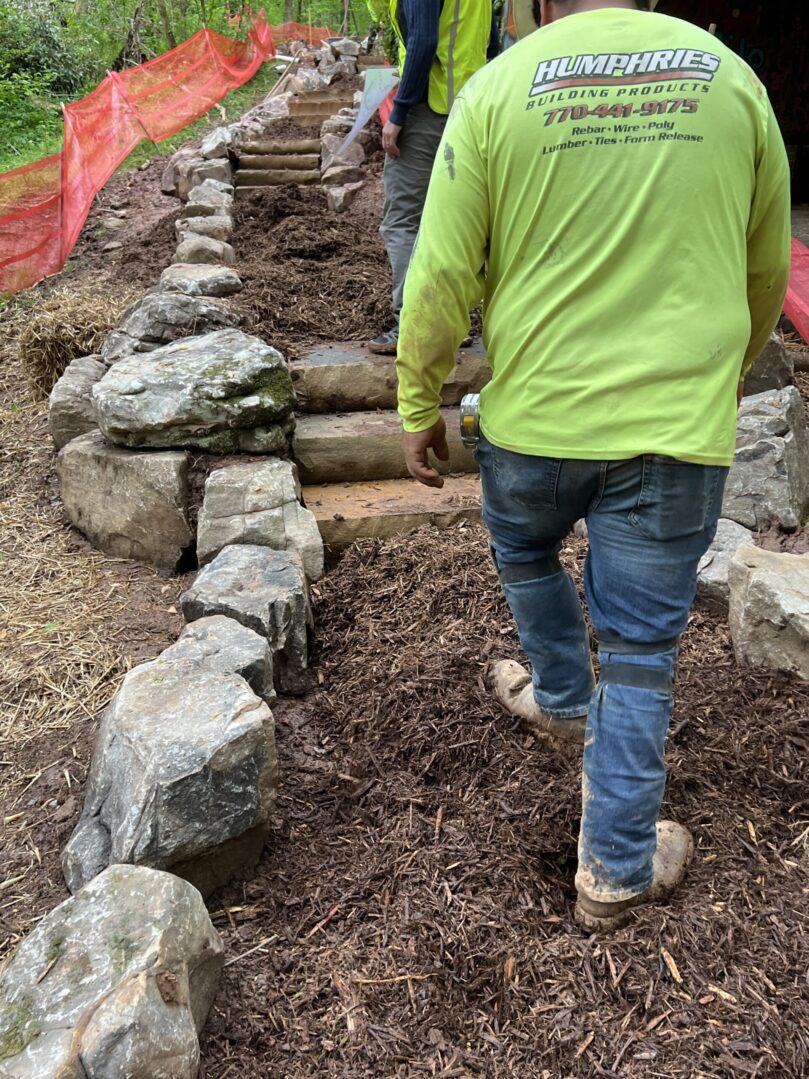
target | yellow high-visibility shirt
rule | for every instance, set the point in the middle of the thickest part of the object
(616, 188)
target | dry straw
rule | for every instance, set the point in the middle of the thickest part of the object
(68, 324)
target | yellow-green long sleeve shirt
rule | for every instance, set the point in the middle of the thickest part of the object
(616, 189)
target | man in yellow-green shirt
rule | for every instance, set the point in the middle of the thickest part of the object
(616, 188)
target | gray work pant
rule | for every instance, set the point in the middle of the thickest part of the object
(406, 180)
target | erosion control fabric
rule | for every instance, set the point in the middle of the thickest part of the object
(44, 205)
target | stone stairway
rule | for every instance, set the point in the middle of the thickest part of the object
(347, 445)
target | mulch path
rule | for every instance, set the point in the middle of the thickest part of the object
(413, 915)
(310, 274)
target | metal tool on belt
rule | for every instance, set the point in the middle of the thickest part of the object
(470, 419)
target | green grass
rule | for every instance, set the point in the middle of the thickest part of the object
(28, 145)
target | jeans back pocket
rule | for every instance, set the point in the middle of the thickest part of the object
(678, 498)
(530, 481)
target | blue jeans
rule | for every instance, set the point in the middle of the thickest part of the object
(649, 519)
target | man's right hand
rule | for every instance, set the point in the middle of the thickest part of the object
(390, 138)
(415, 450)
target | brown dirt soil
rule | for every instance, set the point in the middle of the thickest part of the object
(790, 542)
(146, 234)
(413, 915)
(291, 129)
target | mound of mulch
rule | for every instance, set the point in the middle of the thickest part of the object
(414, 914)
(309, 274)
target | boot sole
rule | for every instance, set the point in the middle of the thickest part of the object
(606, 923)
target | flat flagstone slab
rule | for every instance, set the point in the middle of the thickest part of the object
(347, 512)
(346, 377)
(331, 448)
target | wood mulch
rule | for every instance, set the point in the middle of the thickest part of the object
(309, 274)
(413, 915)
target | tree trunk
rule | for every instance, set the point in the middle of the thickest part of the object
(164, 18)
(131, 50)
(288, 10)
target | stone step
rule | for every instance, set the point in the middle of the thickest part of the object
(339, 448)
(280, 161)
(253, 178)
(308, 110)
(346, 512)
(263, 147)
(346, 377)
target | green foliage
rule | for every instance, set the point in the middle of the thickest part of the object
(54, 51)
(30, 119)
(34, 43)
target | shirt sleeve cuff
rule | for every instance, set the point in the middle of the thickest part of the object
(398, 114)
(423, 422)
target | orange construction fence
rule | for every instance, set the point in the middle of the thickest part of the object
(297, 31)
(43, 206)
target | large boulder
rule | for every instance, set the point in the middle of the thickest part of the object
(131, 505)
(712, 574)
(342, 175)
(774, 369)
(71, 411)
(330, 72)
(258, 503)
(194, 248)
(199, 280)
(216, 143)
(221, 392)
(218, 227)
(187, 174)
(340, 199)
(219, 170)
(769, 480)
(345, 46)
(332, 154)
(222, 644)
(769, 609)
(114, 983)
(260, 121)
(162, 317)
(183, 778)
(336, 125)
(207, 199)
(169, 181)
(264, 590)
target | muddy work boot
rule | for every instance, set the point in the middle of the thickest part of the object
(386, 343)
(675, 849)
(514, 689)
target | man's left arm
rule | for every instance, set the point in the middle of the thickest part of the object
(444, 282)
